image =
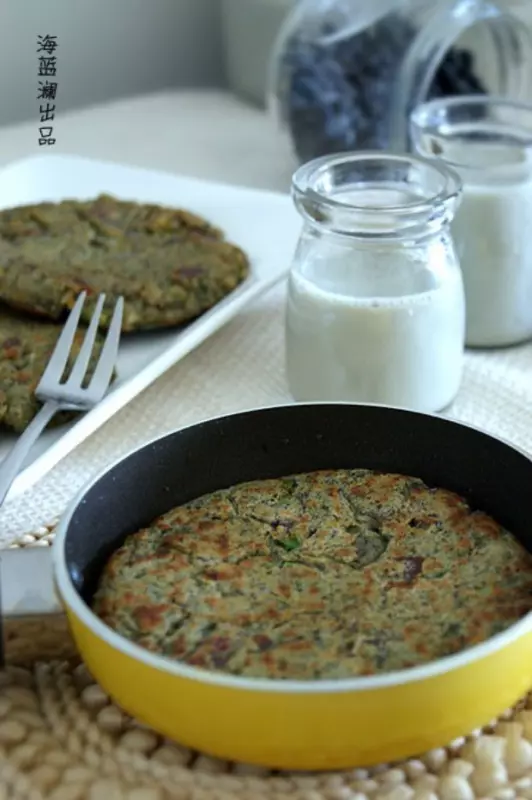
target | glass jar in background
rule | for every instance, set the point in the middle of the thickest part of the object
(488, 141)
(345, 74)
(375, 308)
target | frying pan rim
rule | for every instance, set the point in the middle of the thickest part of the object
(179, 669)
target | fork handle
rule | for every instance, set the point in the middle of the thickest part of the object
(10, 466)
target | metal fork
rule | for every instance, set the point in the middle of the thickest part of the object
(70, 395)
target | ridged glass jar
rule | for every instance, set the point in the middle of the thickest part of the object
(346, 74)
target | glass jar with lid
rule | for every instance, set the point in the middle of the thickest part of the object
(375, 309)
(488, 141)
(345, 74)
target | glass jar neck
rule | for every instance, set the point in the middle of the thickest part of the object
(441, 23)
(374, 196)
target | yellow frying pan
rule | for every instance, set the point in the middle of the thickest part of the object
(314, 725)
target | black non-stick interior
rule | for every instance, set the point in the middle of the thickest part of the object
(281, 441)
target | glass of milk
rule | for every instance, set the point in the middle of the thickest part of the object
(488, 141)
(375, 309)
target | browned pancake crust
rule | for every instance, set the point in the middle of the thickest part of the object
(326, 575)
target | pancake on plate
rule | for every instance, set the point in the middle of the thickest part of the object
(169, 265)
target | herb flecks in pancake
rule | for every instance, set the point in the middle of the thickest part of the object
(331, 574)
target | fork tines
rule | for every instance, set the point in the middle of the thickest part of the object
(73, 389)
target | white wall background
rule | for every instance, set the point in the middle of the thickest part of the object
(107, 49)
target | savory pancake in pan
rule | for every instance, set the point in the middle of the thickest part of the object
(332, 574)
(169, 265)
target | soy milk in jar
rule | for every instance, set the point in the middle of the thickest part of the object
(489, 142)
(375, 310)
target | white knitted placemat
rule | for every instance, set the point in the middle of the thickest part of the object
(243, 367)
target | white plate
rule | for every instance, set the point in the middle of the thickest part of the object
(264, 224)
